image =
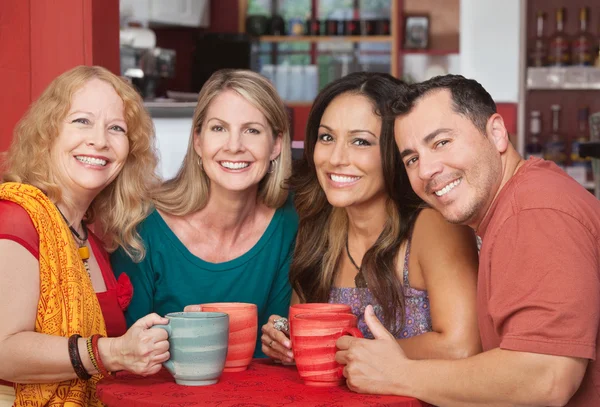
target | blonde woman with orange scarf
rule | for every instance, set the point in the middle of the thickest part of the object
(82, 153)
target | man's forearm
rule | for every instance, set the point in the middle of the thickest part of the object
(433, 345)
(497, 377)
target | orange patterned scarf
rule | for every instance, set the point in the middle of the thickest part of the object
(67, 304)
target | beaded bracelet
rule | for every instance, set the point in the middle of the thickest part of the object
(76, 358)
(101, 368)
(90, 350)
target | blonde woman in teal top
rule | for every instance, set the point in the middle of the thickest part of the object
(224, 227)
(171, 277)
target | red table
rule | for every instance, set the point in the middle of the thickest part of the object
(263, 385)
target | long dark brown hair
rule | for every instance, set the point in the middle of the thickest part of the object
(323, 229)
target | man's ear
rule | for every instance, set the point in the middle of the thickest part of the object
(497, 132)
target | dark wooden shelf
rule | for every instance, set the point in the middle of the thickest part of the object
(325, 38)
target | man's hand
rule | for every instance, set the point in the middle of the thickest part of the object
(372, 366)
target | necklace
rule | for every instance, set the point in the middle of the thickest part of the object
(359, 279)
(84, 252)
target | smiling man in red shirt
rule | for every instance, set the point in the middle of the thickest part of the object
(539, 272)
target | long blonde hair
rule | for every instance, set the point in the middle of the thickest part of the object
(193, 183)
(121, 205)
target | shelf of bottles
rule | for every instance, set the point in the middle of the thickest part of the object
(554, 145)
(562, 61)
(327, 38)
(561, 49)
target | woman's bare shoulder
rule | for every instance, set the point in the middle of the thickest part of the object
(431, 229)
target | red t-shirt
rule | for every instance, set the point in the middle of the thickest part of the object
(539, 271)
(16, 225)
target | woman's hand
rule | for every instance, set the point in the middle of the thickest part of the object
(141, 350)
(275, 343)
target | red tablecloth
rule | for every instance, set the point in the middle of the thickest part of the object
(262, 385)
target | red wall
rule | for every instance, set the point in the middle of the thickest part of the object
(508, 111)
(15, 65)
(40, 39)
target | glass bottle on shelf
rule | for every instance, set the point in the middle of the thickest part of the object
(534, 147)
(583, 43)
(555, 147)
(538, 56)
(582, 166)
(559, 53)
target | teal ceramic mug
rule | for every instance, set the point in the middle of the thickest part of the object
(198, 346)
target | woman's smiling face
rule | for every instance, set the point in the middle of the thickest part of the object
(347, 153)
(236, 143)
(92, 145)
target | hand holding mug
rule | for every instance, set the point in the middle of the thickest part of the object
(372, 365)
(198, 346)
(314, 336)
(141, 350)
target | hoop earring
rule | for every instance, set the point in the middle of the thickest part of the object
(200, 163)
(272, 166)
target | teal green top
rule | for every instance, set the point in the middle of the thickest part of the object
(171, 277)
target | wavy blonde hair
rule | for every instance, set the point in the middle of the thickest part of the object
(193, 183)
(123, 203)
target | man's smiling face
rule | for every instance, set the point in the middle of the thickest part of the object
(451, 165)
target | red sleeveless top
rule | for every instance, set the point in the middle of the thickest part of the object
(16, 225)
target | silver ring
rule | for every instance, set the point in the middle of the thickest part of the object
(282, 325)
(271, 343)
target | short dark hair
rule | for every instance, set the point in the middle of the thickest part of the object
(469, 98)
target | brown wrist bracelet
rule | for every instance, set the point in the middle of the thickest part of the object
(76, 358)
(101, 368)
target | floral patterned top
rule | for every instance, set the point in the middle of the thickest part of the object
(417, 318)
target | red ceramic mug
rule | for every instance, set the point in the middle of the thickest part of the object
(313, 307)
(314, 336)
(243, 328)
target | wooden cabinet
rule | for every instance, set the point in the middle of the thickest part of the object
(442, 54)
(331, 56)
(386, 50)
(391, 39)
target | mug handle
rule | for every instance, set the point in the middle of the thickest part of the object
(352, 331)
(169, 363)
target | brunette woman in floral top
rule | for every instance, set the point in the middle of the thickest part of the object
(365, 238)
